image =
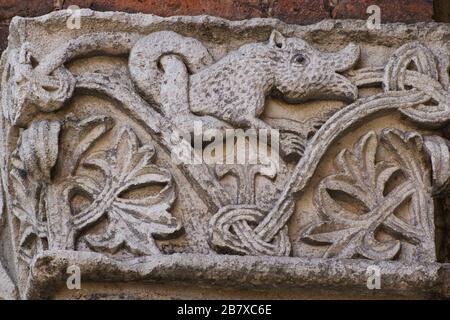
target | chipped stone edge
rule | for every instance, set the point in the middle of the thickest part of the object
(8, 288)
(398, 280)
(346, 30)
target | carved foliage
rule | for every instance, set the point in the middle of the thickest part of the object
(437, 149)
(413, 68)
(31, 89)
(234, 228)
(31, 173)
(43, 205)
(122, 183)
(353, 233)
(132, 221)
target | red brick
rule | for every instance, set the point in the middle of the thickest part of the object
(441, 10)
(408, 11)
(300, 12)
(236, 9)
(24, 8)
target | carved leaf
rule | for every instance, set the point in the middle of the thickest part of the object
(255, 163)
(438, 151)
(25, 207)
(133, 221)
(32, 163)
(89, 131)
(408, 148)
(351, 229)
(39, 149)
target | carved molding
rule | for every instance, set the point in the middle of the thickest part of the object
(88, 136)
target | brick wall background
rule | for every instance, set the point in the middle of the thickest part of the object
(290, 11)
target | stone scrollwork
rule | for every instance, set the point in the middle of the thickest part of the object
(359, 176)
(44, 207)
(132, 221)
(396, 96)
(88, 138)
(33, 90)
(413, 68)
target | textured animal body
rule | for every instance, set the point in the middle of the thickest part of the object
(235, 88)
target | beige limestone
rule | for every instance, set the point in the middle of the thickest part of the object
(89, 178)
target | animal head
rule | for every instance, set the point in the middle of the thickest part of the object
(303, 73)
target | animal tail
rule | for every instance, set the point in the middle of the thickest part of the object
(144, 63)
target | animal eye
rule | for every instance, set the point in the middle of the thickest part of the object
(300, 58)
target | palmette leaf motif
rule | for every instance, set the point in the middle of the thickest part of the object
(409, 150)
(132, 221)
(351, 233)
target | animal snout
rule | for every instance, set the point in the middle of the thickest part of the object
(338, 87)
(342, 60)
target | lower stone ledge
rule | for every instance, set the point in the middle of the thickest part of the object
(204, 276)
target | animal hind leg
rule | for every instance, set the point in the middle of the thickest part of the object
(290, 144)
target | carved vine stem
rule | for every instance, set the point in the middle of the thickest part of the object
(319, 144)
(215, 195)
(270, 232)
(107, 43)
(395, 78)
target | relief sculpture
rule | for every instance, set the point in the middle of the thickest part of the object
(88, 141)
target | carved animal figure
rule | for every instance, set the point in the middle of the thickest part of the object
(235, 88)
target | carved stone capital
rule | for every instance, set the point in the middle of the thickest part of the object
(111, 157)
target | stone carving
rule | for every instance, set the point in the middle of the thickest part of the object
(34, 90)
(360, 177)
(288, 65)
(132, 221)
(276, 219)
(50, 223)
(31, 174)
(400, 75)
(88, 131)
(8, 289)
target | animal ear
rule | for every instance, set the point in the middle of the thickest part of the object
(277, 40)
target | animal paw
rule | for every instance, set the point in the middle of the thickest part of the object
(292, 145)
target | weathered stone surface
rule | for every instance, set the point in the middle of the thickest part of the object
(267, 277)
(96, 123)
(291, 11)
